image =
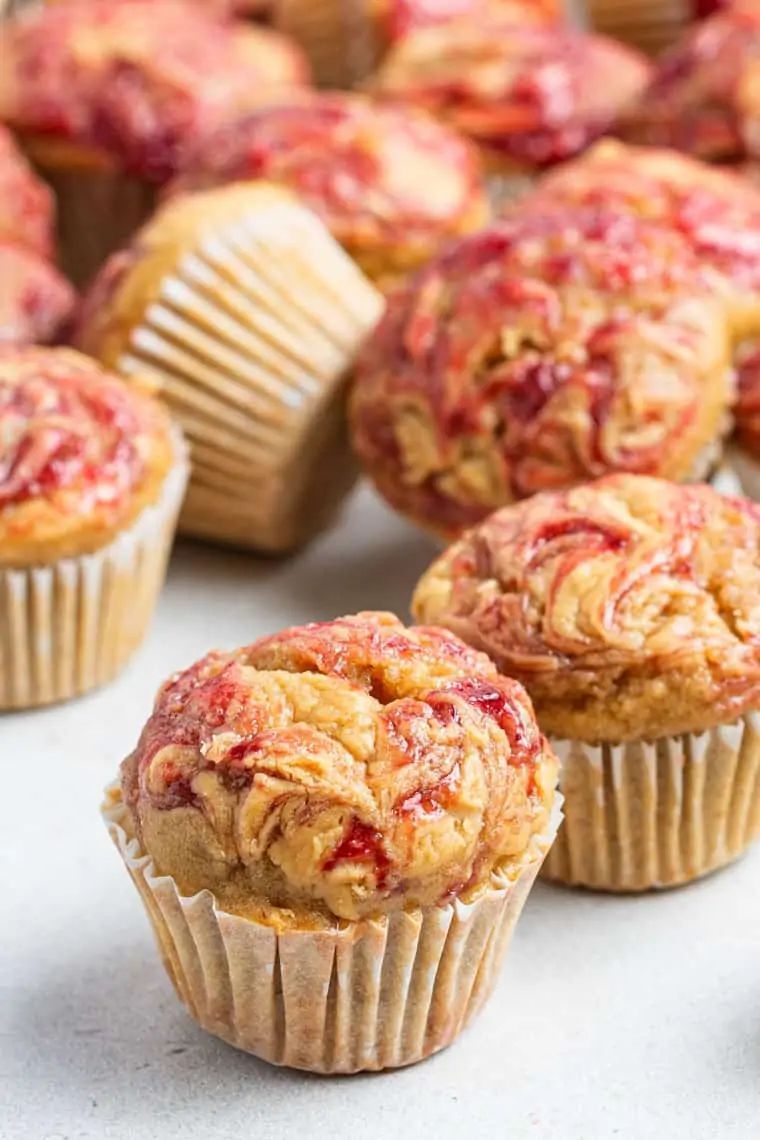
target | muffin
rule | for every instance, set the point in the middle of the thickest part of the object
(105, 98)
(540, 353)
(247, 316)
(346, 41)
(651, 25)
(705, 97)
(334, 831)
(528, 97)
(390, 184)
(27, 212)
(36, 302)
(629, 608)
(91, 478)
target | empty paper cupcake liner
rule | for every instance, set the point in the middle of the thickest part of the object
(250, 342)
(342, 38)
(70, 627)
(373, 994)
(644, 815)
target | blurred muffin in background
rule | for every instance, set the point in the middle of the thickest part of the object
(36, 301)
(391, 184)
(27, 208)
(105, 97)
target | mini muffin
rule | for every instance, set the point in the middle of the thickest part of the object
(528, 97)
(91, 479)
(716, 211)
(36, 302)
(390, 184)
(247, 316)
(630, 609)
(334, 831)
(346, 41)
(705, 95)
(542, 352)
(106, 96)
(27, 212)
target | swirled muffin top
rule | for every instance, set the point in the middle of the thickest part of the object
(27, 212)
(629, 607)
(36, 302)
(136, 81)
(342, 769)
(529, 97)
(542, 352)
(81, 454)
(391, 184)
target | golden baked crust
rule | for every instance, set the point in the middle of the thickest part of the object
(629, 607)
(529, 97)
(705, 95)
(36, 301)
(542, 352)
(27, 211)
(81, 455)
(137, 80)
(348, 768)
(390, 184)
(716, 210)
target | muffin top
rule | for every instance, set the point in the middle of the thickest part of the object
(136, 80)
(528, 96)
(401, 17)
(542, 352)
(80, 454)
(705, 95)
(716, 211)
(36, 301)
(389, 183)
(348, 769)
(27, 211)
(629, 607)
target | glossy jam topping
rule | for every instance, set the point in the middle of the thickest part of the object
(36, 302)
(65, 426)
(138, 79)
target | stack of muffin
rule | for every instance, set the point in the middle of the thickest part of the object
(334, 829)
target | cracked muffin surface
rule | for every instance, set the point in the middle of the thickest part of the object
(390, 183)
(529, 97)
(539, 353)
(341, 769)
(81, 454)
(629, 607)
(36, 301)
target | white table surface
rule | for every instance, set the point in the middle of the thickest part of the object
(633, 1019)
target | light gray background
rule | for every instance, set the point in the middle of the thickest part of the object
(617, 1019)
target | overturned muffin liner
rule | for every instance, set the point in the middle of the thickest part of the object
(645, 815)
(650, 25)
(250, 341)
(70, 627)
(98, 209)
(373, 994)
(342, 39)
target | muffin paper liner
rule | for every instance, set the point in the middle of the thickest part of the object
(71, 626)
(372, 994)
(504, 189)
(342, 39)
(650, 25)
(250, 342)
(746, 473)
(645, 815)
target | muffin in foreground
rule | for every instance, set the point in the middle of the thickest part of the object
(104, 98)
(334, 831)
(91, 479)
(247, 315)
(27, 211)
(391, 184)
(36, 302)
(545, 351)
(630, 610)
(527, 97)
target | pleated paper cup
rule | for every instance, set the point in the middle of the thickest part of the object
(342, 38)
(71, 626)
(373, 994)
(650, 25)
(745, 472)
(506, 189)
(250, 341)
(644, 815)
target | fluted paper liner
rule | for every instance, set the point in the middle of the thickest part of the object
(342, 38)
(70, 627)
(251, 341)
(645, 815)
(650, 25)
(373, 994)
(745, 471)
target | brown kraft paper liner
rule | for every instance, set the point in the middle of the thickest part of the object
(250, 343)
(342, 38)
(374, 994)
(645, 815)
(745, 471)
(70, 627)
(650, 25)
